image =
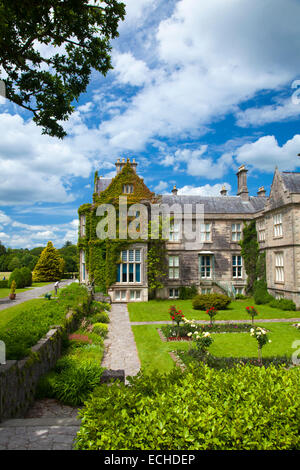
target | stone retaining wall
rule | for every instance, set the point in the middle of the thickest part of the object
(19, 379)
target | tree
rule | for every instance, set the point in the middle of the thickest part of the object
(46, 80)
(49, 266)
(250, 253)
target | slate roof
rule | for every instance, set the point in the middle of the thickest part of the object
(291, 181)
(219, 205)
(102, 184)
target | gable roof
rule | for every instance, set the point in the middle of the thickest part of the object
(291, 181)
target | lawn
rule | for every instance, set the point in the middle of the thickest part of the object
(4, 292)
(158, 310)
(154, 353)
(12, 312)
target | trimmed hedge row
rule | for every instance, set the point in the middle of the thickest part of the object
(242, 408)
(206, 301)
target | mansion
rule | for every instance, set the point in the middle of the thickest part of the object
(215, 264)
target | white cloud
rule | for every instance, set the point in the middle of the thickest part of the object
(206, 190)
(278, 112)
(161, 187)
(129, 70)
(197, 164)
(265, 153)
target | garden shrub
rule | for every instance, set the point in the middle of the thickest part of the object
(4, 284)
(283, 304)
(187, 292)
(72, 381)
(261, 294)
(18, 277)
(206, 301)
(101, 329)
(242, 408)
(27, 276)
(99, 318)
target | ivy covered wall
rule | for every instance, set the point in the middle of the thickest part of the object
(103, 256)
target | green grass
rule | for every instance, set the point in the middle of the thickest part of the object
(12, 312)
(154, 353)
(158, 310)
(4, 292)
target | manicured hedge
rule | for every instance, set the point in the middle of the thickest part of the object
(206, 301)
(245, 407)
(283, 304)
(4, 284)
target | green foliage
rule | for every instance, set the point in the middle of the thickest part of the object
(100, 317)
(50, 265)
(243, 408)
(4, 284)
(48, 85)
(22, 277)
(13, 287)
(207, 301)
(261, 294)
(250, 253)
(283, 304)
(100, 329)
(71, 382)
(186, 292)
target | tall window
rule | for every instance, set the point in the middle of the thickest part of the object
(205, 232)
(237, 265)
(236, 232)
(83, 271)
(174, 231)
(279, 267)
(277, 219)
(127, 188)
(129, 270)
(205, 266)
(82, 225)
(261, 228)
(173, 267)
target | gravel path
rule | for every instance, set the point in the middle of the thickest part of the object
(31, 294)
(121, 351)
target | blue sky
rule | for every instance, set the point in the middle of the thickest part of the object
(198, 88)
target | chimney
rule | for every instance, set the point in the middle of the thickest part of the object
(223, 191)
(120, 165)
(174, 190)
(242, 183)
(134, 164)
(261, 192)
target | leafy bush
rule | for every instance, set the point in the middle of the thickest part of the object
(18, 277)
(4, 284)
(27, 276)
(99, 318)
(283, 304)
(186, 292)
(206, 301)
(71, 382)
(243, 408)
(101, 329)
(241, 297)
(261, 294)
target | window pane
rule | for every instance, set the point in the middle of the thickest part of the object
(119, 273)
(137, 255)
(124, 255)
(124, 273)
(131, 255)
(131, 279)
(138, 273)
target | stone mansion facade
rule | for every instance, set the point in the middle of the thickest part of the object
(216, 264)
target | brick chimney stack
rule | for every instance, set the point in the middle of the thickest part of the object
(174, 190)
(223, 191)
(120, 165)
(242, 183)
(261, 192)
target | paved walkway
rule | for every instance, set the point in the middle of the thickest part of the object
(31, 294)
(120, 347)
(47, 426)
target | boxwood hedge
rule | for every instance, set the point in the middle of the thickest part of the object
(245, 407)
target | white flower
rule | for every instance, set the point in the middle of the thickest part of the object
(190, 334)
(252, 330)
(270, 341)
(206, 334)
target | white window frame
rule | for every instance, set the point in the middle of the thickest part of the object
(174, 267)
(205, 232)
(206, 290)
(173, 294)
(279, 267)
(261, 229)
(128, 257)
(175, 231)
(237, 267)
(83, 266)
(127, 188)
(277, 222)
(134, 295)
(206, 269)
(236, 232)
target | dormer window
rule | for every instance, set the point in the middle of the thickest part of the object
(127, 188)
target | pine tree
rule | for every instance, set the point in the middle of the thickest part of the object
(49, 265)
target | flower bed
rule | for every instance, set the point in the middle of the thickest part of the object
(174, 333)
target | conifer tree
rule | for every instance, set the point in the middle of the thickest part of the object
(49, 265)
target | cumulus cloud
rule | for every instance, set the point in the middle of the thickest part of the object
(265, 153)
(258, 116)
(206, 190)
